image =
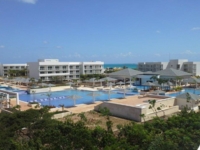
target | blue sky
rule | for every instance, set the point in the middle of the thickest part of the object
(113, 31)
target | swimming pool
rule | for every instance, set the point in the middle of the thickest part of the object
(5, 88)
(189, 90)
(62, 97)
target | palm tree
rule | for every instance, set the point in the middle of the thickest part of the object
(32, 81)
(33, 92)
(48, 94)
(178, 79)
(63, 106)
(154, 78)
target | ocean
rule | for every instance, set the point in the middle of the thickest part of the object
(133, 66)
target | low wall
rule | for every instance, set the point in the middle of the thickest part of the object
(31, 91)
(163, 103)
(53, 89)
(123, 111)
(160, 113)
(134, 112)
(61, 115)
(157, 96)
(5, 111)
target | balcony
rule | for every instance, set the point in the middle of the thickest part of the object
(53, 74)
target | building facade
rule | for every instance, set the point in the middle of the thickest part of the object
(46, 69)
(178, 64)
(6, 69)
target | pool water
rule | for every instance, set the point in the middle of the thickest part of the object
(189, 90)
(63, 97)
(11, 89)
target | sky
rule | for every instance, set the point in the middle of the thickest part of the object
(113, 31)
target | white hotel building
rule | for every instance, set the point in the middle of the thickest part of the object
(4, 68)
(179, 64)
(45, 69)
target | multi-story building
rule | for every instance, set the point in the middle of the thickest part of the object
(45, 69)
(179, 64)
(6, 68)
(151, 66)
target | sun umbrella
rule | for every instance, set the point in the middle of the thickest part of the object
(109, 93)
(74, 98)
(70, 84)
(94, 94)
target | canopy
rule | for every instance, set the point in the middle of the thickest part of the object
(149, 84)
(192, 80)
(107, 79)
(120, 83)
(191, 96)
(170, 72)
(159, 92)
(125, 73)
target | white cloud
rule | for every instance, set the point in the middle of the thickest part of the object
(28, 1)
(157, 31)
(196, 28)
(2, 46)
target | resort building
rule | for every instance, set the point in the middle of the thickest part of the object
(6, 69)
(45, 69)
(178, 64)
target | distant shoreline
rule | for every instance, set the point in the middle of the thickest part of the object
(120, 65)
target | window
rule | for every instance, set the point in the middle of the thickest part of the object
(77, 67)
(49, 68)
(178, 66)
(57, 71)
(49, 72)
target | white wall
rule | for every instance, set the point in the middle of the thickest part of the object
(183, 102)
(33, 68)
(1, 69)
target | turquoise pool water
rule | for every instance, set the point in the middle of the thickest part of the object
(63, 97)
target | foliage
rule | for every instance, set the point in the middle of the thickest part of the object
(34, 129)
(178, 88)
(17, 73)
(89, 76)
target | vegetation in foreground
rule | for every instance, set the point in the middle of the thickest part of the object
(34, 129)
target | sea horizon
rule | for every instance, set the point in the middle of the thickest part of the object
(120, 65)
